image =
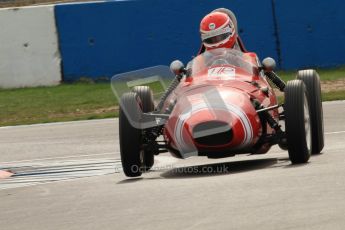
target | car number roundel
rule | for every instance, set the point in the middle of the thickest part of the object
(223, 73)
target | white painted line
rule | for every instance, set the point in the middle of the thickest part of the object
(55, 158)
(334, 102)
(61, 123)
(330, 133)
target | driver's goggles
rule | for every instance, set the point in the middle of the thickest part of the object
(217, 39)
(215, 36)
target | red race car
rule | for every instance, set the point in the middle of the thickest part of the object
(220, 105)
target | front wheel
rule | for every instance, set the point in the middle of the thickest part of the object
(130, 135)
(311, 80)
(297, 122)
(147, 104)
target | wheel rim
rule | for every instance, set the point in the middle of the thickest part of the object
(307, 123)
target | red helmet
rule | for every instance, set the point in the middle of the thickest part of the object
(218, 31)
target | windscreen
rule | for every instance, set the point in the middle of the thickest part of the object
(220, 57)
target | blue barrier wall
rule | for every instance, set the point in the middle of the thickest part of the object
(311, 32)
(103, 39)
(106, 38)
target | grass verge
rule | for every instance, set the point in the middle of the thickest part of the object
(325, 74)
(65, 102)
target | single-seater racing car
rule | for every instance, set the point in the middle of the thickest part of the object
(220, 105)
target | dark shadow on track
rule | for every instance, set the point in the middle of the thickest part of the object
(219, 168)
(130, 180)
(296, 165)
(322, 153)
(137, 179)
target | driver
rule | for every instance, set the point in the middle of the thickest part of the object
(218, 30)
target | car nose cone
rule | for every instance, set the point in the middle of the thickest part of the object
(212, 133)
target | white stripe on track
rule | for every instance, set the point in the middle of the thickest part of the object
(105, 120)
(338, 132)
(55, 158)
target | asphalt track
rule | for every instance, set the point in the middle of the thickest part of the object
(68, 176)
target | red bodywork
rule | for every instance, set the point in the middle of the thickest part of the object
(214, 116)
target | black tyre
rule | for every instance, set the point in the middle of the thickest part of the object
(311, 81)
(146, 96)
(130, 135)
(297, 122)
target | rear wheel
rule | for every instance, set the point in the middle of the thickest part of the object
(130, 134)
(311, 80)
(146, 96)
(297, 122)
